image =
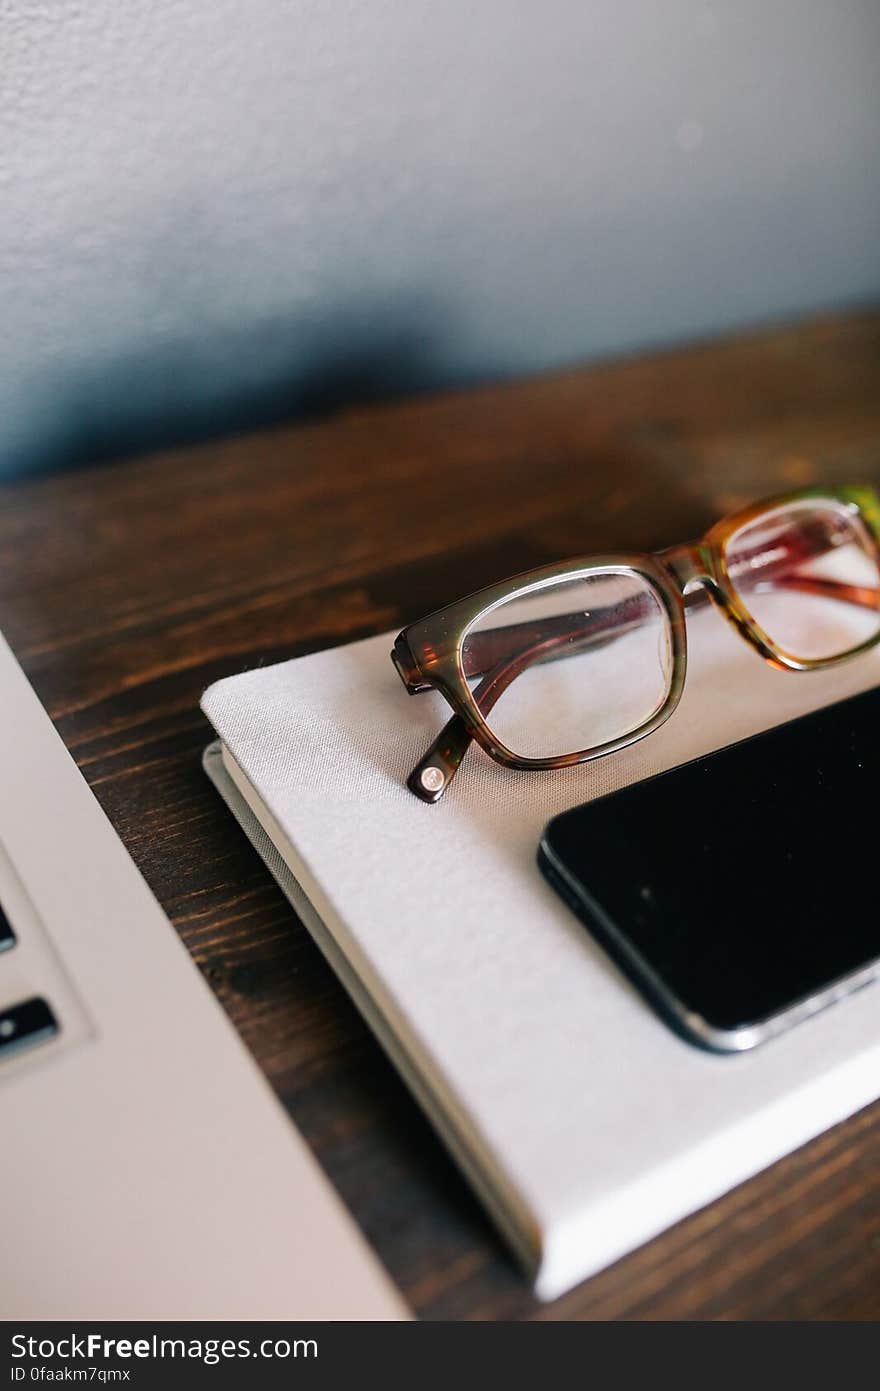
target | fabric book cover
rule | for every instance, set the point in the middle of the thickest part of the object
(584, 1124)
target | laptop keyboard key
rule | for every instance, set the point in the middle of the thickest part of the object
(25, 1024)
(7, 936)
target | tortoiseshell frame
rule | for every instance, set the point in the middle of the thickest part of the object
(427, 654)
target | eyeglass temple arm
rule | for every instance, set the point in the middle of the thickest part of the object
(491, 646)
(436, 769)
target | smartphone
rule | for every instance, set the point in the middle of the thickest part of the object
(741, 892)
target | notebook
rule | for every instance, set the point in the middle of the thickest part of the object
(583, 1123)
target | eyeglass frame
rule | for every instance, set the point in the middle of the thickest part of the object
(427, 653)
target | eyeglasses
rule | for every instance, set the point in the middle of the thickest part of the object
(574, 660)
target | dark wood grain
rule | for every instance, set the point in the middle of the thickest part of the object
(125, 590)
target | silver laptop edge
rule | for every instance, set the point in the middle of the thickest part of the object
(149, 1171)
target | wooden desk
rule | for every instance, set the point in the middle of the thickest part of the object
(125, 590)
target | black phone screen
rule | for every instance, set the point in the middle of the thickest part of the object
(742, 883)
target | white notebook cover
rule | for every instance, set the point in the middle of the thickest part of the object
(584, 1123)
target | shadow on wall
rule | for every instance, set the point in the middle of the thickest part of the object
(184, 391)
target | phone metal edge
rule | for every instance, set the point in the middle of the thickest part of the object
(692, 1025)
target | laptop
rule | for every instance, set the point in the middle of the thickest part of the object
(148, 1169)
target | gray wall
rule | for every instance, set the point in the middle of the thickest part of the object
(218, 211)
